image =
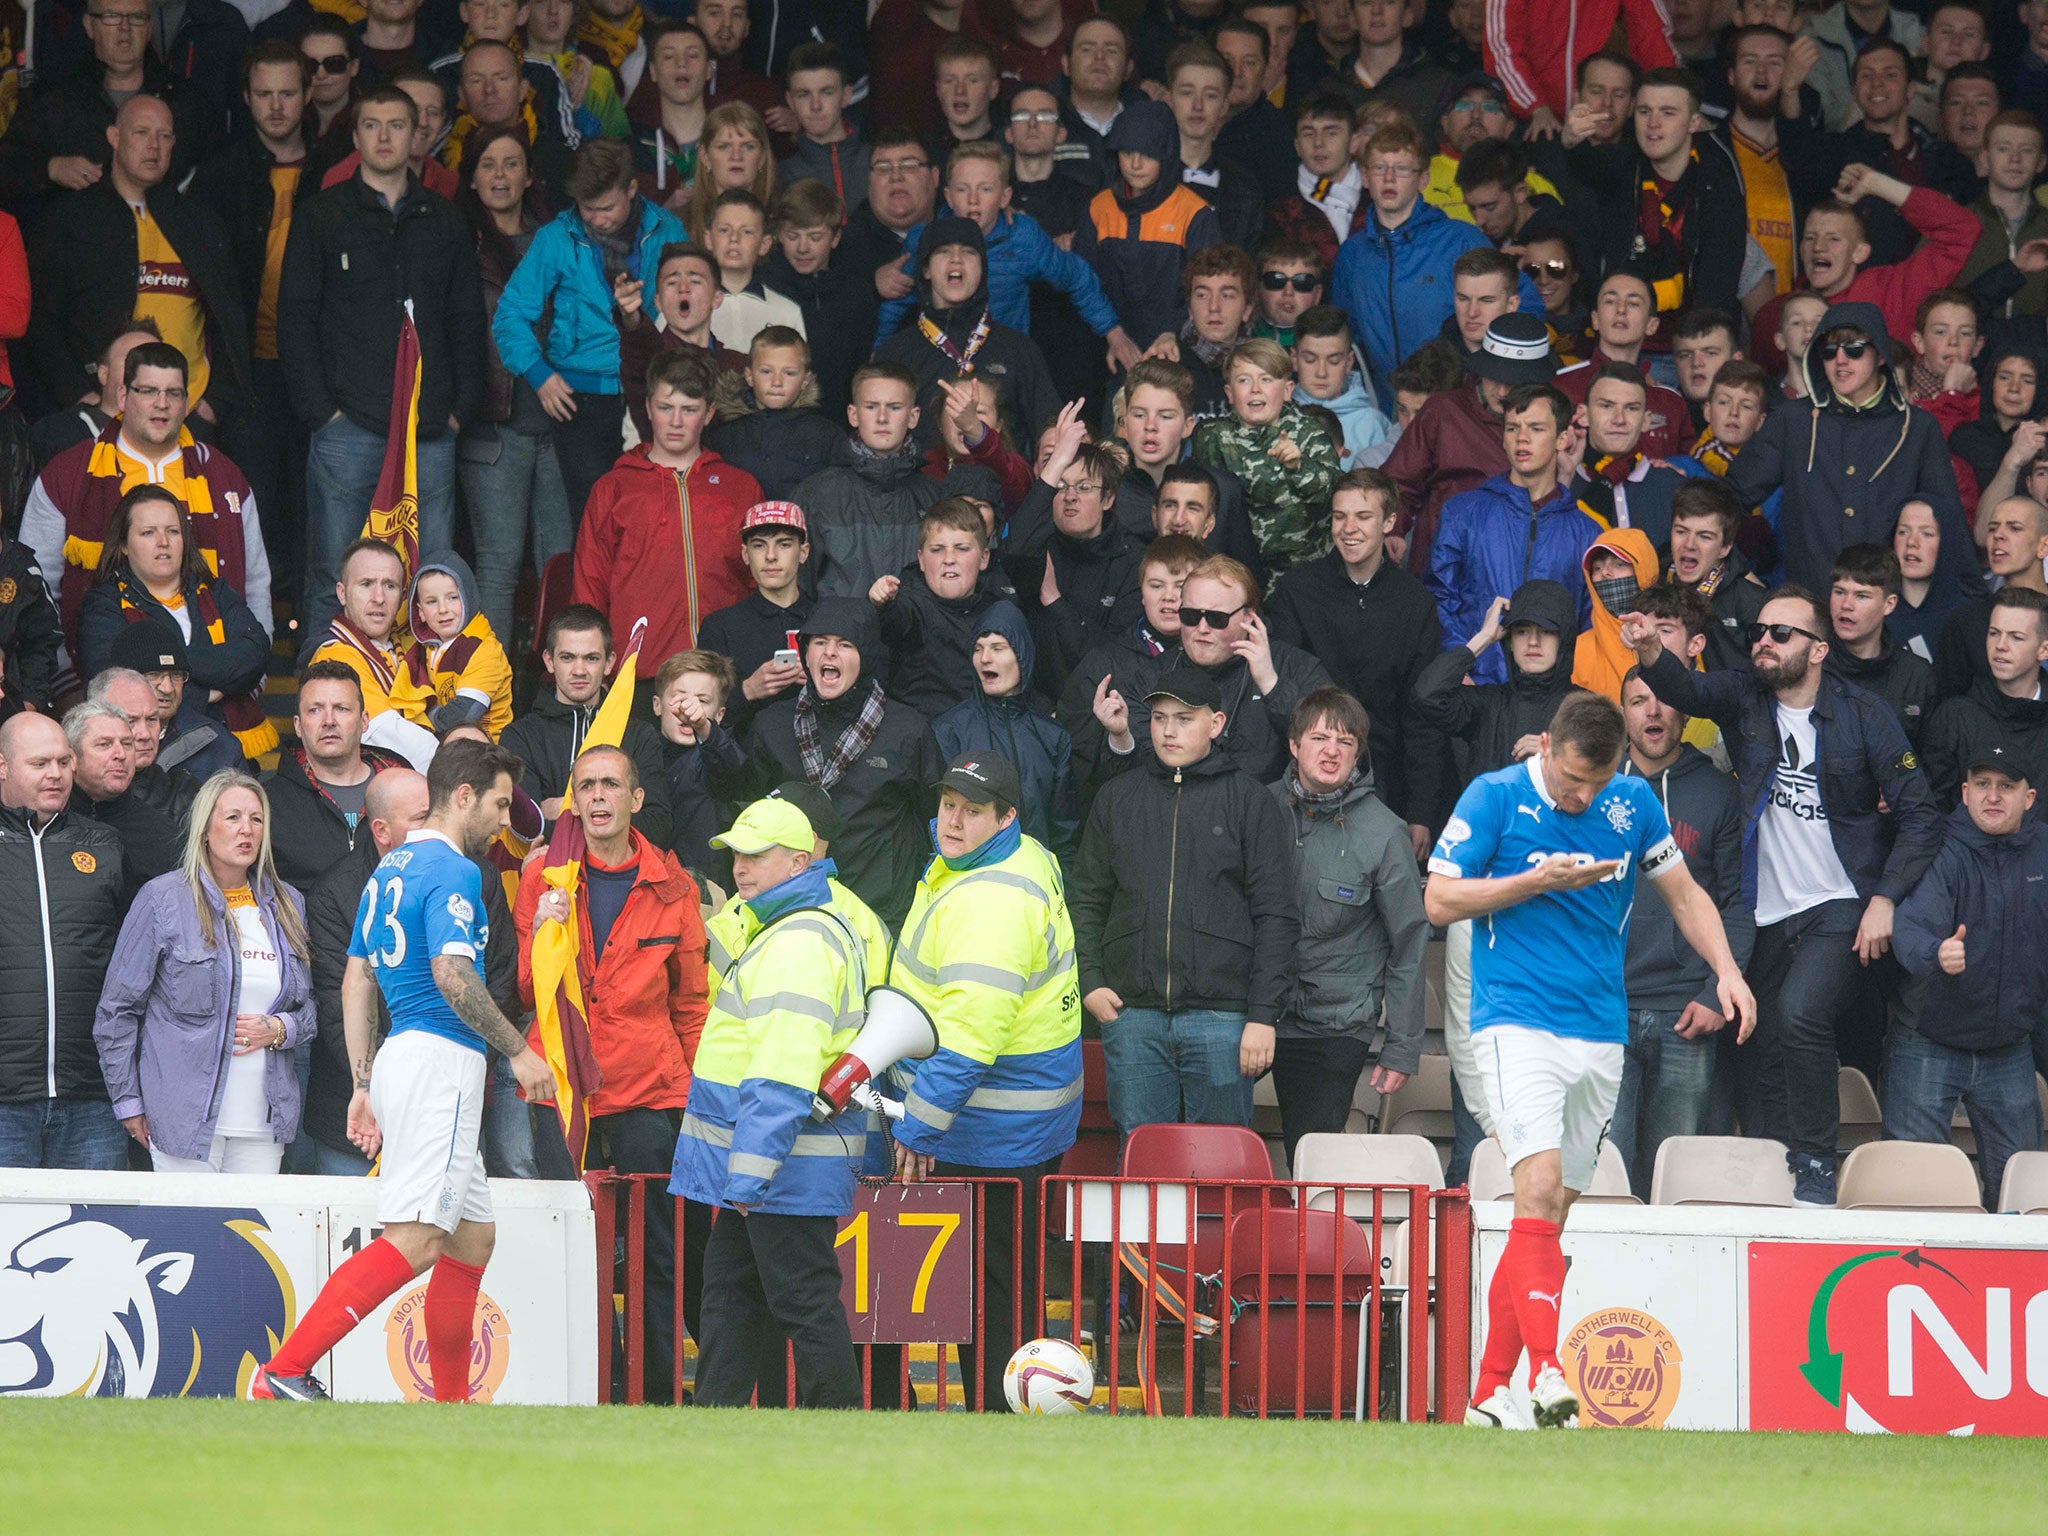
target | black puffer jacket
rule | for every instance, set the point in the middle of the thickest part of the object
(69, 891)
(29, 636)
(1485, 721)
(781, 449)
(1896, 675)
(1098, 583)
(1969, 720)
(863, 510)
(307, 830)
(1183, 893)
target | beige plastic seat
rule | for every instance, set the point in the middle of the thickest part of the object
(1861, 1119)
(1404, 1159)
(2024, 1188)
(1490, 1178)
(1266, 1122)
(1610, 1179)
(1422, 1107)
(1721, 1170)
(1907, 1176)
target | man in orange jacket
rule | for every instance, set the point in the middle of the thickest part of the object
(643, 975)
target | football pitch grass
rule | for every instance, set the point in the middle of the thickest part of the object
(222, 1469)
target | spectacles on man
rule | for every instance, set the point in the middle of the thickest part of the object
(171, 393)
(1209, 618)
(1081, 488)
(1830, 350)
(1041, 117)
(1300, 282)
(1490, 108)
(328, 64)
(888, 169)
(127, 21)
(1781, 634)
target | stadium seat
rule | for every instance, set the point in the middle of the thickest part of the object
(1861, 1119)
(1610, 1179)
(1219, 1152)
(1721, 1170)
(1266, 1121)
(1907, 1176)
(1422, 1107)
(1094, 1152)
(557, 591)
(1491, 1179)
(2024, 1189)
(1401, 1159)
(1365, 1107)
(1293, 1301)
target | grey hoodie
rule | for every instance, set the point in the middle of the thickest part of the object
(1363, 931)
(1704, 806)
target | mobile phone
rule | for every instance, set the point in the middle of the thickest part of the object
(785, 658)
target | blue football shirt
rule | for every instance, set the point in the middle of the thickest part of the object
(1554, 962)
(425, 898)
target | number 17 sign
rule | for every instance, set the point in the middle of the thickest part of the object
(906, 1258)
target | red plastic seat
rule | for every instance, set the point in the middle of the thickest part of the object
(1206, 1152)
(1295, 1296)
(557, 591)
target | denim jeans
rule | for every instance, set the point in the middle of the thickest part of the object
(1802, 971)
(1924, 1080)
(1166, 1068)
(512, 487)
(508, 1128)
(335, 1162)
(1667, 1089)
(342, 465)
(62, 1133)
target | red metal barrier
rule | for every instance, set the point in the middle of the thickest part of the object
(1321, 1298)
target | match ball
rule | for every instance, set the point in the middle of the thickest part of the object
(1049, 1376)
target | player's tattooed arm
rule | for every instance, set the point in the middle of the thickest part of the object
(456, 976)
(359, 1020)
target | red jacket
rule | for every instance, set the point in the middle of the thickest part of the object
(1450, 447)
(1534, 47)
(664, 548)
(13, 292)
(645, 999)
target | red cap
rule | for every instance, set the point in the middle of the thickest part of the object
(774, 514)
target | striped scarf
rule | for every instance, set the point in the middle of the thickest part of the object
(1603, 473)
(465, 125)
(383, 664)
(825, 771)
(245, 716)
(613, 39)
(1708, 451)
(110, 474)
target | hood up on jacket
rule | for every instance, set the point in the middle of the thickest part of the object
(1004, 618)
(443, 562)
(1868, 319)
(850, 618)
(1552, 602)
(1600, 661)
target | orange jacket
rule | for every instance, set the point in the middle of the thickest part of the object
(645, 998)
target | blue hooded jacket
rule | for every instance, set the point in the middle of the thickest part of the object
(563, 266)
(1018, 253)
(1396, 284)
(1489, 540)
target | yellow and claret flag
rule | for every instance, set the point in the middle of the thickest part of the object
(395, 508)
(558, 963)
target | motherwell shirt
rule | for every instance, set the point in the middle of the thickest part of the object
(1770, 206)
(166, 294)
(284, 188)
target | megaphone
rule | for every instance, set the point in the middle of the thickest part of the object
(897, 1029)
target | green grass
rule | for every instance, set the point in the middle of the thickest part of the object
(227, 1468)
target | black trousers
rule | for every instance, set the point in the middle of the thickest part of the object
(268, 442)
(1314, 1078)
(588, 444)
(644, 1141)
(1002, 1291)
(1804, 973)
(768, 1279)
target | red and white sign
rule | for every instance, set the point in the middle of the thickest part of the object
(1892, 1338)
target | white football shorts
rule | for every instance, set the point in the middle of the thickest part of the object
(1548, 1092)
(427, 1093)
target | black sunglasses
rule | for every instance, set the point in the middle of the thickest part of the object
(1196, 618)
(1830, 350)
(1781, 634)
(1301, 282)
(331, 64)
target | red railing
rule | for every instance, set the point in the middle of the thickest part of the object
(1317, 1298)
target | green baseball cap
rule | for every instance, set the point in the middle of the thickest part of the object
(768, 824)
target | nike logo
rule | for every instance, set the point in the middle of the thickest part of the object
(1546, 1296)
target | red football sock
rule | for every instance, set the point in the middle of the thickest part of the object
(351, 1293)
(451, 1327)
(1539, 1289)
(1503, 1329)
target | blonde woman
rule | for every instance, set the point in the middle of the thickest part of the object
(207, 994)
(734, 152)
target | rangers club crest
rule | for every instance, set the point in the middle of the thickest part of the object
(1620, 814)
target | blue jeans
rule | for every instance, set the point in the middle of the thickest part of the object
(511, 486)
(508, 1125)
(335, 1162)
(1923, 1081)
(342, 465)
(1166, 1068)
(1667, 1089)
(62, 1133)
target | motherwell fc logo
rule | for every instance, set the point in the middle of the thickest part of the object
(405, 1348)
(1624, 1365)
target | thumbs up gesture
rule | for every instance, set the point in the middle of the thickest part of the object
(1951, 952)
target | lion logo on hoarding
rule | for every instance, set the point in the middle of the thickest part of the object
(1624, 1365)
(405, 1347)
(118, 1301)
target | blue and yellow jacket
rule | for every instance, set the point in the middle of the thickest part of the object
(787, 1001)
(988, 952)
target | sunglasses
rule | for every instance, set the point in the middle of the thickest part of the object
(1781, 634)
(329, 64)
(1300, 282)
(1212, 618)
(1830, 350)
(1556, 271)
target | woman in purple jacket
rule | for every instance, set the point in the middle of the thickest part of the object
(207, 994)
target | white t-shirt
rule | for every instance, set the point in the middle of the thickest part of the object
(1797, 867)
(245, 1104)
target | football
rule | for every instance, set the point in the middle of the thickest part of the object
(1049, 1376)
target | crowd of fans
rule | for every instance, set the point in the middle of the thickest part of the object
(1249, 420)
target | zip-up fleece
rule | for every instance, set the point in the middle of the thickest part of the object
(69, 888)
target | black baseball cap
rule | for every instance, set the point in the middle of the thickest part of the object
(150, 645)
(1190, 686)
(816, 805)
(984, 777)
(1996, 752)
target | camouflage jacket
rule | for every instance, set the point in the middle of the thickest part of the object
(1286, 506)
